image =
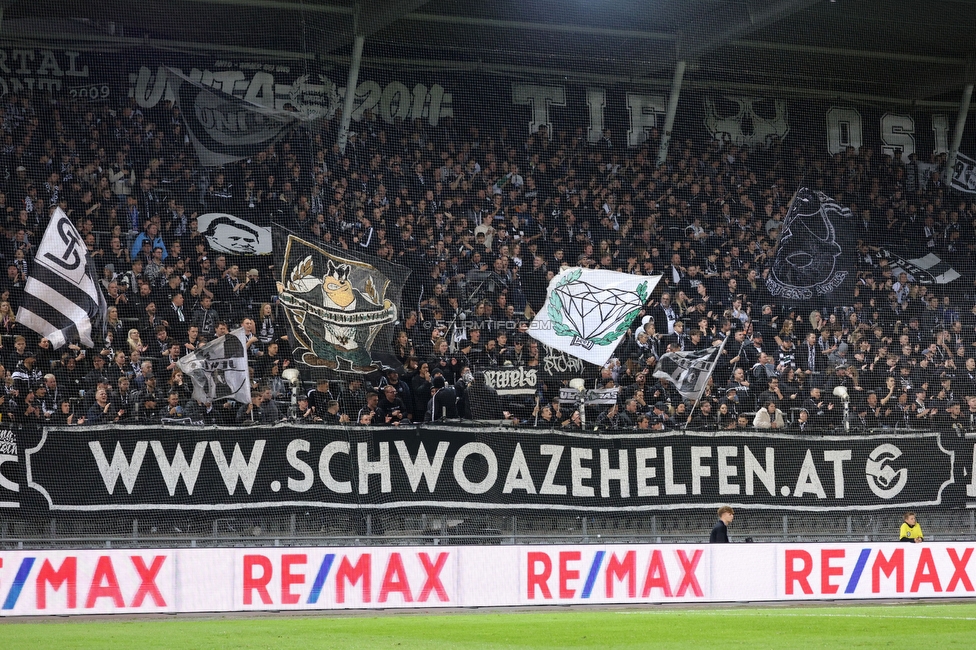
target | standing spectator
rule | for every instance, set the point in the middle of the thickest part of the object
(720, 531)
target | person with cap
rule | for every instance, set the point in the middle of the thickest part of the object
(802, 423)
(26, 376)
(660, 419)
(443, 400)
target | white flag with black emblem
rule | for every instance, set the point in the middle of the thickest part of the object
(62, 299)
(689, 371)
(587, 312)
(219, 369)
(964, 174)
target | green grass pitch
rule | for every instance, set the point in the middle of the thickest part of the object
(886, 626)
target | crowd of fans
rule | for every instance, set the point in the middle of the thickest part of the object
(483, 219)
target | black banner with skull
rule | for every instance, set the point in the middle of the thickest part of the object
(341, 308)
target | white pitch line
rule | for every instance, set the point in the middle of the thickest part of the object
(723, 612)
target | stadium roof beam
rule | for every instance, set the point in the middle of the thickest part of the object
(638, 34)
(370, 16)
(278, 5)
(707, 36)
(967, 96)
(679, 75)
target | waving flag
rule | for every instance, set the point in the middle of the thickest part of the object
(62, 299)
(689, 371)
(814, 259)
(219, 369)
(588, 311)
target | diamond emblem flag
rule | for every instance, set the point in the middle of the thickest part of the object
(587, 312)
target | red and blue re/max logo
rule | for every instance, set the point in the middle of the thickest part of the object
(104, 583)
(938, 569)
(352, 572)
(622, 567)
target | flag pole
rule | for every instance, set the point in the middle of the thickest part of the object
(710, 371)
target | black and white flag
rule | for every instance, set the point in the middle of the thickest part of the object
(814, 259)
(689, 371)
(219, 369)
(222, 127)
(964, 174)
(927, 270)
(62, 298)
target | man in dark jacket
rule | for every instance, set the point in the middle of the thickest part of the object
(390, 408)
(443, 401)
(483, 401)
(720, 532)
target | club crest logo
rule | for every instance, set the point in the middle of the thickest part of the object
(312, 100)
(590, 314)
(336, 307)
(885, 481)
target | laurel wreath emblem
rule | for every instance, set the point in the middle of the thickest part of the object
(560, 327)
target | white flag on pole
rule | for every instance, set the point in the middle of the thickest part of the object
(219, 369)
(587, 312)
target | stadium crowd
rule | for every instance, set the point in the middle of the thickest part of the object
(483, 218)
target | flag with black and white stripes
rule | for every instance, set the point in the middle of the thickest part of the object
(62, 298)
(689, 371)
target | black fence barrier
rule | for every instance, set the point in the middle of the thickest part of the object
(109, 471)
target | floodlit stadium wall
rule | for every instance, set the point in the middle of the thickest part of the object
(261, 579)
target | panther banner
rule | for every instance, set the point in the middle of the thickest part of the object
(214, 469)
(340, 306)
(588, 311)
(814, 259)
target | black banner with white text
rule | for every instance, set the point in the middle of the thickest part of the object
(85, 469)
